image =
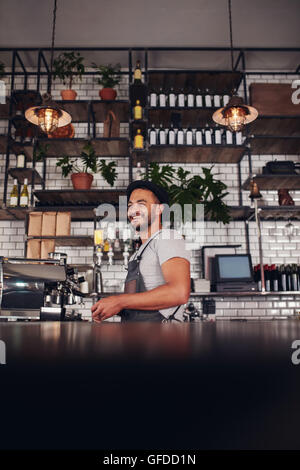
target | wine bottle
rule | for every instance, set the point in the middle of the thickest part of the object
(199, 137)
(13, 201)
(137, 76)
(171, 135)
(21, 160)
(208, 100)
(217, 101)
(275, 278)
(181, 99)
(238, 138)
(162, 98)
(153, 135)
(283, 280)
(267, 277)
(162, 135)
(24, 197)
(180, 136)
(189, 136)
(207, 133)
(229, 139)
(172, 98)
(139, 173)
(190, 99)
(218, 135)
(153, 99)
(138, 140)
(199, 99)
(138, 111)
(225, 100)
(294, 277)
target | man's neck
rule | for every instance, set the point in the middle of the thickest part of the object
(151, 230)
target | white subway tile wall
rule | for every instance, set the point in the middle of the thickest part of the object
(277, 247)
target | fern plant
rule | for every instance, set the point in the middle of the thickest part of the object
(109, 75)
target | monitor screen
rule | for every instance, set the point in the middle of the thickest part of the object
(234, 267)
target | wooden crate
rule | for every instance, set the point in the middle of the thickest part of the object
(273, 99)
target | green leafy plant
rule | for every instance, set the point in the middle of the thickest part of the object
(89, 163)
(67, 66)
(2, 69)
(109, 74)
(186, 189)
(40, 151)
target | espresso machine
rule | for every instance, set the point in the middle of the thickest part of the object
(32, 289)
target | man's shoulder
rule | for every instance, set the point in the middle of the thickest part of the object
(169, 234)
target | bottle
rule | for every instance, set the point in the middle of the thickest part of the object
(283, 283)
(267, 277)
(162, 98)
(208, 100)
(13, 201)
(190, 99)
(181, 99)
(207, 133)
(199, 137)
(106, 245)
(238, 138)
(171, 135)
(180, 136)
(153, 99)
(199, 99)
(288, 272)
(218, 135)
(139, 173)
(137, 76)
(161, 135)
(225, 100)
(217, 101)
(137, 111)
(21, 160)
(258, 273)
(117, 245)
(153, 135)
(172, 98)
(24, 197)
(294, 277)
(275, 278)
(229, 137)
(189, 136)
(138, 140)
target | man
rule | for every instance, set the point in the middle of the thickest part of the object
(158, 281)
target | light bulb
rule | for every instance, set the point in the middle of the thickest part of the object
(48, 119)
(235, 118)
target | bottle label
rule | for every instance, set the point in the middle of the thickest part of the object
(138, 112)
(180, 138)
(217, 101)
(225, 100)
(23, 201)
(153, 99)
(162, 137)
(199, 101)
(181, 100)
(208, 101)
(207, 137)
(189, 138)
(198, 138)
(172, 138)
(137, 74)
(218, 136)
(13, 201)
(190, 101)
(162, 100)
(152, 138)
(238, 137)
(228, 137)
(172, 99)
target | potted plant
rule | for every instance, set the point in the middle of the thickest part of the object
(109, 78)
(67, 66)
(185, 189)
(80, 176)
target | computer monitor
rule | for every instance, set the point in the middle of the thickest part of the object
(233, 268)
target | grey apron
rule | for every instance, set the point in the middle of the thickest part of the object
(134, 283)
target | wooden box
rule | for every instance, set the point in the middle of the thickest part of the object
(34, 249)
(273, 99)
(49, 224)
(63, 224)
(47, 246)
(35, 224)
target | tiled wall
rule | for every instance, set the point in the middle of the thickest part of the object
(277, 248)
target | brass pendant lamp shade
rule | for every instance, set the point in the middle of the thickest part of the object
(254, 191)
(235, 115)
(49, 116)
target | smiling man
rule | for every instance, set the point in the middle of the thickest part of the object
(158, 280)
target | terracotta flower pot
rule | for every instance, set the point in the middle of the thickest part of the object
(107, 94)
(82, 180)
(68, 95)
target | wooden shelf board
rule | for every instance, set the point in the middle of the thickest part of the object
(21, 173)
(191, 154)
(117, 147)
(68, 240)
(270, 145)
(26, 148)
(275, 125)
(195, 117)
(220, 82)
(274, 182)
(71, 197)
(279, 212)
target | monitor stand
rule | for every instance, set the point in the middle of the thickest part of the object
(234, 287)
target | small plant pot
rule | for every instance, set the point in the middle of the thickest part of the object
(107, 94)
(68, 95)
(82, 180)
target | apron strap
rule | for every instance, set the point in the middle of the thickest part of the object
(138, 257)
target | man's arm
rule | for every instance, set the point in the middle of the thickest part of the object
(175, 291)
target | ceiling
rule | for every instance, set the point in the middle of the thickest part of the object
(157, 23)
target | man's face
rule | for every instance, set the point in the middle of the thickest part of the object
(143, 209)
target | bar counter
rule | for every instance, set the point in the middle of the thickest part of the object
(201, 385)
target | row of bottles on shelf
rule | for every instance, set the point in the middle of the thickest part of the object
(278, 278)
(179, 136)
(187, 99)
(24, 195)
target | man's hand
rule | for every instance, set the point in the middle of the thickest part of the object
(106, 308)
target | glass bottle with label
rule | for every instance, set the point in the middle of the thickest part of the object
(162, 98)
(218, 136)
(138, 140)
(172, 98)
(199, 99)
(21, 160)
(208, 98)
(181, 99)
(217, 100)
(208, 135)
(229, 137)
(226, 99)
(137, 111)
(189, 136)
(153, 135)
(180, 136)
(162, 135)
(190, 99)
(24, 197)
(13, 201)
(172, 135)
(137, 76)
(153, 99)
(139, 173)
(199, 137)
(238, 138)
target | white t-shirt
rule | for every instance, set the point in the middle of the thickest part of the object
(164, 245)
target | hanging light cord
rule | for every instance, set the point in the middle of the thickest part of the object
(52, 44)
(230, 32)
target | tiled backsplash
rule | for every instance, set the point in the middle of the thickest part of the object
(277, 248)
